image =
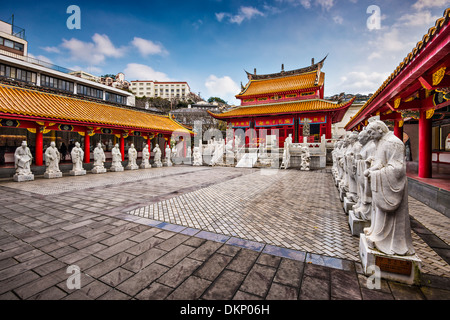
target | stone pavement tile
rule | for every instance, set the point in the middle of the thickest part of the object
(228, 250)
(53, 246)
(116, 276)
(225, 286)
(142, 279)
(118, 238)
(8, 296)
(384, 285)
(330, 262)
(95, 289)
(191, 289)
(78, 225)
(213, 266)
(121, 229)
(61, 252)
(285, 252)
(281, 292)
(176, 275)
(435, 294)
(108, 265)
(144, 235)
(314, 289)
(435, 281)
(374, 294)
(144, 246)
(90, 240)
(143, 260)
(50, 267)
(269, 260)
(73, 239)
(155, 291)
(115, 249)
(212, 236)
(41, 284)
(317, 271)
(171, 243)
(344, 285)
(15, 251)
(165, 234)
(289, 272)
(24, 266)
(8, 262)
(17, 281)
(77, 295)
(114, 295)
(245, 296)
(247, 244)
(205, 250)
(176, 255)
(405, 292)
(194, 242)
(52, 293)
(243, 261)
(258, 280)
(190, 231)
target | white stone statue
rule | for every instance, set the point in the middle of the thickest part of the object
(180, 150)
(22, 162)
(132, 157)
(189, 152)
(77, 155)
(168, 160)
(99, 159)
(52, 158)
(145, 157)
(116, 164)
(197, 157)
(219, 148)
(157, 159)
(286, 153)
(305, 159)
(363, 207)
(390, 230)
(350, 167)
(343, 184)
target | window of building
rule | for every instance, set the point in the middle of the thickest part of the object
(90, 92)
(116, 98)
(55, 83)
(8, 43)
(17, 74)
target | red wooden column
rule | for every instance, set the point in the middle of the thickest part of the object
(424, 146)
(39, 149)
(398, 131)
(122, 147)
(87, 147)
(328, 128)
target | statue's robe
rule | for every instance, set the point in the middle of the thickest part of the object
(363, 207)
(390, 230)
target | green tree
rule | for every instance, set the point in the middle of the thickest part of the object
(216, 99)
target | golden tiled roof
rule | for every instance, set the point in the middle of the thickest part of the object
(410, 57)
(282, 84)
(282, 108)
(51, 106)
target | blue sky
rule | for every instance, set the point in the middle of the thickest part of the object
(210, 43)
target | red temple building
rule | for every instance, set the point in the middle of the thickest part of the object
(284, 101)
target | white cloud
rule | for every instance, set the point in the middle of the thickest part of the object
(306, 3)
(136, 71)
(420, 18)
(223, 87)
(361, 82)
(51, 49)
(148, 47)
(92, 52)
(421, 4)
(325, 4)
(338, 19)
(243, 13)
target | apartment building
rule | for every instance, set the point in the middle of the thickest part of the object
(165, 90)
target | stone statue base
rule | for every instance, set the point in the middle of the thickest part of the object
(99, 170)
(342, 194)
(116, 169)
(52, 175)
(77, 173)
(357, 225)
(348, 205)
(405, 269)
(157, 164)
(132, 167)
(23, 177)
(145, 166)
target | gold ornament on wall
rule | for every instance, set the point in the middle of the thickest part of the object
(438, 76)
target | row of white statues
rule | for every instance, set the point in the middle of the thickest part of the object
(23, 158)
(305, 156)
(370, 172)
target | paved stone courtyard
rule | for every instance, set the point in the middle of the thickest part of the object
(197, 233)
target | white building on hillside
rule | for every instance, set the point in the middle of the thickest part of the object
(165, 90)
